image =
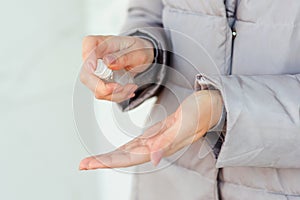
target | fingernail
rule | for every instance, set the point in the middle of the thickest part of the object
(132, 90)
(109, 59)
(131, 96)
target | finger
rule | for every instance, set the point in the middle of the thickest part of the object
(137, 153)
(155, 130)
(119, 158)
(90, 43)
(84, 163)
(133, 153)
(147, 137)
(159, 142)
(127, 92)
(167, 140)
(170, 142)
(160, 146)
(95, 47)
(106, 91)
(113, 44)
(127, 58)
(96, 85)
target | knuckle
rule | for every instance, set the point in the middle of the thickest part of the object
(123, 60)
(115, 100)
(98, 95)
(101, 92)
(83, 78)
(143, 58)
(86, 41)
(109, 98)
(88, 38)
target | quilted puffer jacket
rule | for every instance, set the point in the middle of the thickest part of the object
(250, 51)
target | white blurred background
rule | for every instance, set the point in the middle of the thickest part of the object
(40, 51)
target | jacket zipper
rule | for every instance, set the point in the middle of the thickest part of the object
(233, 35)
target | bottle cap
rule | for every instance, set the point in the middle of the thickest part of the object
(102, 71)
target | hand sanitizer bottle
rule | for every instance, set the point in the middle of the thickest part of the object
(122, 77)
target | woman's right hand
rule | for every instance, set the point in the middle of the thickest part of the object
(118, 52)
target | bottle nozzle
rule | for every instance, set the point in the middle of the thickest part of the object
(102, 71)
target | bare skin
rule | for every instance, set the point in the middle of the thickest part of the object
(194, 117)
(117, 52)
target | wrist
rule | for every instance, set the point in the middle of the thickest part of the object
(217, 110)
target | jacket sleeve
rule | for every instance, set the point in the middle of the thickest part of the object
(145, 20)
(263, 120)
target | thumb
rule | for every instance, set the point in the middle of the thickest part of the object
(117, 60)
(159, 147)
(156, 157)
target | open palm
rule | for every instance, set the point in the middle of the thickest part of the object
(194, 117)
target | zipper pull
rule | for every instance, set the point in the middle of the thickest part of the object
(234, 33)
(203, 84)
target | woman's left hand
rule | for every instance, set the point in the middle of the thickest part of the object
(194, 117)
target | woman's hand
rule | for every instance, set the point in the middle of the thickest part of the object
(195, 116)
(118, 52)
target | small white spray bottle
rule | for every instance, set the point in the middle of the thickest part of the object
(122, 76)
